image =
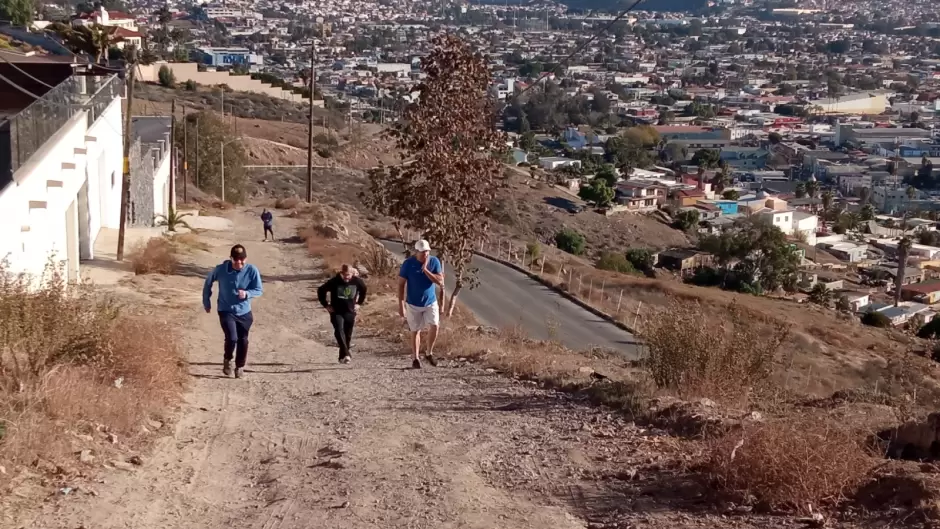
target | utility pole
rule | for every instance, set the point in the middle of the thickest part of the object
(313, 93)
(185, 155)
(222, 155)
(173, 156)
(129, 67)
(196, 147)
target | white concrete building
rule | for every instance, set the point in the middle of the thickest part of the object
(64, 186)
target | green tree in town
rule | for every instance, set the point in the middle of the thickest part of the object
(867, 212)
(820, 295)
(904, 248)
(685, 220)
(706, 158)
(731, 194)
(640, 258)
(211, 133)
(166, 77)
(800, 190)
(597, 192)
(812, 188)
(608, 174)
(615, 262)
(761, 251)
(570, 241)
(17, 12)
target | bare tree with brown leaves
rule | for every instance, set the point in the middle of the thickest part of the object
(455, 157)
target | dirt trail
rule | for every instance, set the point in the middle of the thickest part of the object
(305, 442)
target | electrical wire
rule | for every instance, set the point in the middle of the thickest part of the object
(24, 72)
(584, 44)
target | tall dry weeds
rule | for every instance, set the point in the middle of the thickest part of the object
(799, 464)
(693, 355)
(72, 362)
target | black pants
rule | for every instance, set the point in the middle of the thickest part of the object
(267, 230)
(343, 323)
(236, 336)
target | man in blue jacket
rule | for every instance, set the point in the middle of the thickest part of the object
(268, 220)
(239, 282)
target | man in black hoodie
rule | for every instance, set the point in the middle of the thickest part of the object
(347, 291)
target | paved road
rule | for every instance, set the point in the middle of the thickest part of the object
(150, 129)
(506, 297)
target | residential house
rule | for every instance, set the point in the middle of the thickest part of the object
(744, 157)
(927, 292)
(805, 225)
(640, 195)
(846, 251)
(781, 219)
(856, 300)
(551, 163)
(60, 185)
(684, 261)
(903, 313)
(686, 197)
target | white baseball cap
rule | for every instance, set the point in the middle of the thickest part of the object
(422, 246)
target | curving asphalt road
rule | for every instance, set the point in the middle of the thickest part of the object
(506, 297)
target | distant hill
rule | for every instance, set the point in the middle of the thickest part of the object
(646, 5)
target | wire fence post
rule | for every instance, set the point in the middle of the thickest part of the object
(524, 251)
(603, 289)
(481, 245)
(510, 251)
(579, 284)
(637, 317)
(590, 290)
(542, 269)
(620, 299)
(499, 248)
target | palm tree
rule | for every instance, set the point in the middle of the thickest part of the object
(827, 198)
(812, 188)
(904, 246)
(864, 195)
(173, 219)
(93, 41)
(867, 212)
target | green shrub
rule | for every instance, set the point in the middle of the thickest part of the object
(190, 85)
(166, 77)
(570, 241)
(930, 330)
(876, 319)
(615, 262)
(640, 258)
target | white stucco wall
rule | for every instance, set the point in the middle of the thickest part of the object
(161, 186)
(41, 206)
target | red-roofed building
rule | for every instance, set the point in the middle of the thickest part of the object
(103, 17)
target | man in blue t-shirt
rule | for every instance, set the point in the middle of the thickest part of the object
(418, 279)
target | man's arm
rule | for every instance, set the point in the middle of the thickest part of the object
(322, 291)
(254, 288)
(362, 291)
(207, 290)
(433, 271)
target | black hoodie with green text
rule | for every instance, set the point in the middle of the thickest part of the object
(344, 296)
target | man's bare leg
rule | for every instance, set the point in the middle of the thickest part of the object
(416, 343)
(432, 339)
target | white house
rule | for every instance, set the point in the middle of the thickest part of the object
(806, 224)
(126, 25)
(551, 163)
(66, 185)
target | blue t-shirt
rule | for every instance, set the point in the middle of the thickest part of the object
(420, 291)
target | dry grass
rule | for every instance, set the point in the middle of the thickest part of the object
(332, 252)
(801, 464)
(70, 365)
(156, 256)
(287, 203)
(692, 355)
(189, 241)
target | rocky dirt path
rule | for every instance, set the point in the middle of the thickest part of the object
(304, 442)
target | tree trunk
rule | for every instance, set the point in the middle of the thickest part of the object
(452, 302)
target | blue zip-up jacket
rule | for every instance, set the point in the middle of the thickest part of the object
(230, 282)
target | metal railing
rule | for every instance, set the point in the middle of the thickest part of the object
(33, 126)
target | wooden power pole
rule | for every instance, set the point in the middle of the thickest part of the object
(185, 155)
(130, 67)
(196, 149)
(173, 156)
(313, 93)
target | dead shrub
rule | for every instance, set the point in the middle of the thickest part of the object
(693, 355)
(287, 203)
(798, 464)
(156, 256)
(189, 242)
(379, 262)
(333, 253)
(71, 362)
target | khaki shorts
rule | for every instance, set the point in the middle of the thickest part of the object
(420, 318)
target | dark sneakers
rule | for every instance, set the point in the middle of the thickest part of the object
(416, 364)
(239, 373)
(345, 359)
(431, 360)
(227, 368)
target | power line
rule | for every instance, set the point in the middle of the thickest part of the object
(584, 44)
(24, 72)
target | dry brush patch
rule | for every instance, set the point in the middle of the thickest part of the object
(73, 364)
(158, 255)
(802, 464)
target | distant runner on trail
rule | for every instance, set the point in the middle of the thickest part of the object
(417, 298)
(268, 219)
(238, 284)
(347, 292)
